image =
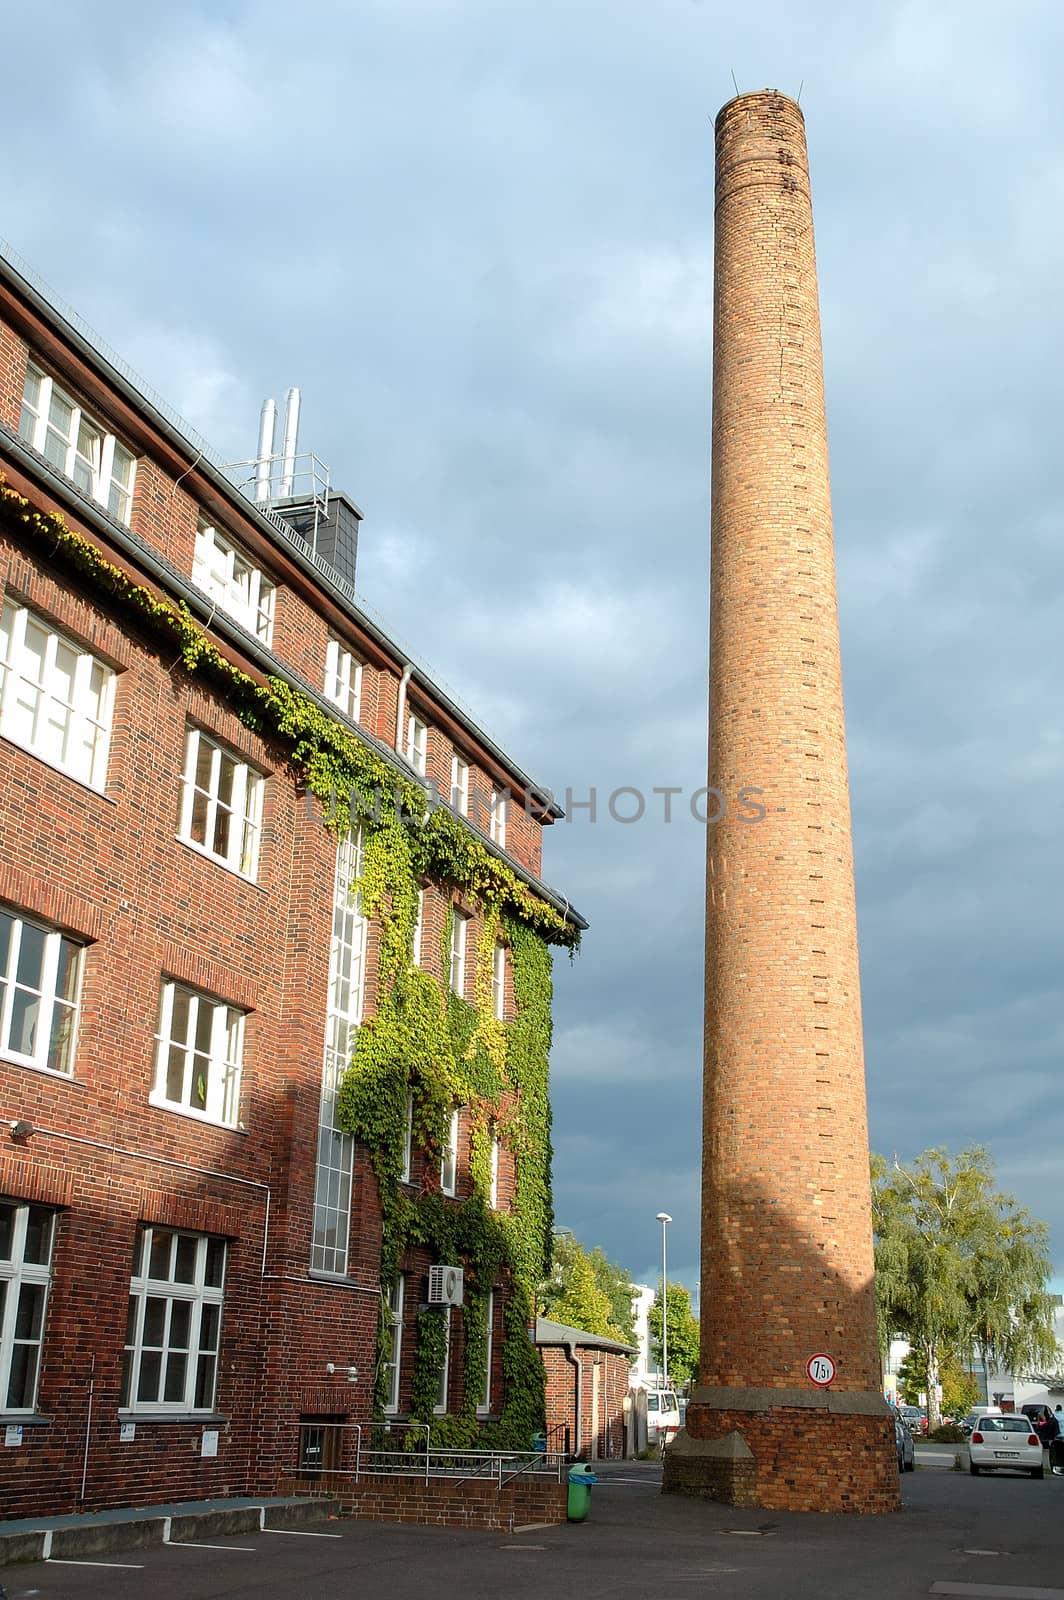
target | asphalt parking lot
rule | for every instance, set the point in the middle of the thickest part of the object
(1003, 1533)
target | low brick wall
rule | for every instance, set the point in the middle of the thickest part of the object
(792, 1460)
(442, 1501)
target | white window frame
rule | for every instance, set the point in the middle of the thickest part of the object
(94, 472)
(460, 785)
(456, 976)
(233, 581)
(408, 1139)
(334, 1165)
(419, 928)
(394, 1304)
(343, 679)
(493, 1171)
(484, 1403)
(441, 1399)
(417, 743)
(198, 1295)
(54, 1035)
(498, 816)
(224, 1057)
(82, 720)
(449, 1159)
(17, 1274)
(498, 981)
(241, 854)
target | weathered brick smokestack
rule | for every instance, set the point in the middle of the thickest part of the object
(786, 1225)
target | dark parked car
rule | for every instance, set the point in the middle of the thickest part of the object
(906, 1448)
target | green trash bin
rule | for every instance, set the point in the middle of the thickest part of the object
(580, 1480)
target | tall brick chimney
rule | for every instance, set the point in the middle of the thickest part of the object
(786, 1219)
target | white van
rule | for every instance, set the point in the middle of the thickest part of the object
(663, 1416)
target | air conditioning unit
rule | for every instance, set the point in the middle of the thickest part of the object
(445, 1286)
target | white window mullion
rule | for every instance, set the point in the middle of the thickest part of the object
(238, 821)
(107, 457)
(166, 1016)
(212, 798)
(8, 997)
(188, 784)
(49, 971)
(45, 403)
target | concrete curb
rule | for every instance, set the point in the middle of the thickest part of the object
(95, 1536)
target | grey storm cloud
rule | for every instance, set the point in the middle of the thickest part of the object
(480, 238)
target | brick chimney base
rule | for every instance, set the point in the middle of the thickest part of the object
(774, 1449)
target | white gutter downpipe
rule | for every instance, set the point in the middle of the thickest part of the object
(267, 435)
(400, 710)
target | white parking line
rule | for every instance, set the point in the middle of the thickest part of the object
(187, 1544)
(128, 1566)
(296, 1533)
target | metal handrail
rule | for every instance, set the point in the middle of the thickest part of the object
(499, 1466)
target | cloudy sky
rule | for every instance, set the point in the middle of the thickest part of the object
(479, 236)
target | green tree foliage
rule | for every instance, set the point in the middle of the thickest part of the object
(586, 1290)
(960, 1388)
(619, 1289)
(959, 1266)
(683, 1335)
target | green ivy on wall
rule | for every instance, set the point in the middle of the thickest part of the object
(423, 1041)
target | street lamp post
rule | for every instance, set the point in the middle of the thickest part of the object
(664, 1219)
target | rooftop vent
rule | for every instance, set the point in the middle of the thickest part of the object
(295, 486)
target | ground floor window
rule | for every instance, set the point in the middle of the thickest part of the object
(174, 1323)
(26, 1237)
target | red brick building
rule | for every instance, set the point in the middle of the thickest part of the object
(190, 1246)
(587, 1384)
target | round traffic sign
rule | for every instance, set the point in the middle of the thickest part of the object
(820, 1369)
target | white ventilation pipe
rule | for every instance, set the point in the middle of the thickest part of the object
(267, 434)
(291, 442)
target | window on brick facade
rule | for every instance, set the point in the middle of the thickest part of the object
(498, 815)
(484, 1403)
(408, 1139)
(40, 980)
(221, 804)
(449, 1160)
(493, 1172)
(417, 736)
(460, 785)
(395, 1352)
(419, 927)
(459, 940)
(498, 981)
(200, 1046)
(174, 1323)
(441, 1397)
(343, 679)
(76, 444)
(26, 1236)
(56, 699)
(242, 591)
(335, 1156)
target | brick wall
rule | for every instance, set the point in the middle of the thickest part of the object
(601, 1432)
(108, 869)
(441, 1502)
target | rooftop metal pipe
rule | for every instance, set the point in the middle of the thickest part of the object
(267, 435)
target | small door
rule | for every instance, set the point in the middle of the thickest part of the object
(319, 1446)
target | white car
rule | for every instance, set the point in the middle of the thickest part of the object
(1004, 1443)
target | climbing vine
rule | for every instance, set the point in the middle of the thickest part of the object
(346, 776)
(424, 1045)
